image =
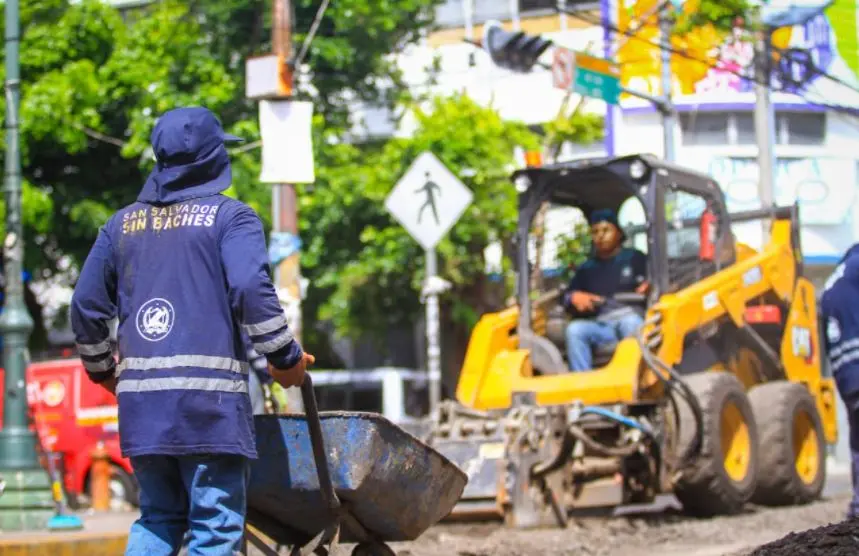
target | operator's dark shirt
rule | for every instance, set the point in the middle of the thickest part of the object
(622, 273)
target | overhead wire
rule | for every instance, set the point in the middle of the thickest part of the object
(314, 26)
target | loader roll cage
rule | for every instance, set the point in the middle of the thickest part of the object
(608, 182)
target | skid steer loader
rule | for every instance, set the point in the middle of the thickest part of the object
(719, 400)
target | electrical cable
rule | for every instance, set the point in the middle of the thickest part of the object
(676, 385)
(311, 33)
(624, 420)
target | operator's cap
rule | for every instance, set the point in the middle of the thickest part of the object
(604, 215)
(607, 215)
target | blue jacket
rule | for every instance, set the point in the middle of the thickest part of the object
(183, 269)
(839, 307)
(258, 363)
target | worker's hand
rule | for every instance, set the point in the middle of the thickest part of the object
(584, 301)
(643, 287)
(295, 375)
(109, 385)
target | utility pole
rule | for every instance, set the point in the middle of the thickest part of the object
(284, 200)
(667, 107)
(26, 503)
(764, 121)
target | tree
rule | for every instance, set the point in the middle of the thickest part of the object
(94, 81)
(379, 288)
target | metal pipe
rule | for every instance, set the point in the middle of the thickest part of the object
(773, 212)
(433, 325)
(17, 442)
(764, 123)
(317, 441)
(667, 108)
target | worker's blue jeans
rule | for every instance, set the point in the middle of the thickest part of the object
(583, 335)
(201, 495)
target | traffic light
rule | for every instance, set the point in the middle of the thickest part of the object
(513, 50)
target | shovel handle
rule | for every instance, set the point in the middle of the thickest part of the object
(318, 443)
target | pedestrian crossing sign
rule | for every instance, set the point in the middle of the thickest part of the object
(428, 200)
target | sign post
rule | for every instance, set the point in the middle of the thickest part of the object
(428, 200)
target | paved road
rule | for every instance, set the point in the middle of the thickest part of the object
(666, 531)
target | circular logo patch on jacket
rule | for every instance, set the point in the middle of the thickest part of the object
(155, 319)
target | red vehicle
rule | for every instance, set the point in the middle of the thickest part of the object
(71, 415)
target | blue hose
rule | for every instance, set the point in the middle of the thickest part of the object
(616, 417)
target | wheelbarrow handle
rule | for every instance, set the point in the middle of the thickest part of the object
(318, 443)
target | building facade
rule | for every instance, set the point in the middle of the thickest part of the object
(816, 146)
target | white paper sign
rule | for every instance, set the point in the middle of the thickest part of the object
(287, 142)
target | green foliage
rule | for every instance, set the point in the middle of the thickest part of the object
(94, 82)
(349, 58)
(578, 127)
(373, 268)
(574, 248)
(723, 15)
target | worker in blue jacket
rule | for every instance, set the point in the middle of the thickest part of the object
(839, 306)
(185, 270)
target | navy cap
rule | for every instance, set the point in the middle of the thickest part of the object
(184, 134)
(604, 215)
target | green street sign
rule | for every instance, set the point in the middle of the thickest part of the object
(586, 75)
(597, 85)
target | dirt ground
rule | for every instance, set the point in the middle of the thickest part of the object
(666, 534)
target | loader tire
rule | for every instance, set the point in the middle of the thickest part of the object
(791, 433)
(721, 478)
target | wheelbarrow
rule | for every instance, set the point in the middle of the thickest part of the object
(347, 477)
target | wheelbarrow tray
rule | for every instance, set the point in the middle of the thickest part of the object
(393, 484)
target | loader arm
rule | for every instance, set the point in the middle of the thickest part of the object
(726, 293)
(770, 273)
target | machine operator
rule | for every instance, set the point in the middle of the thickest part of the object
(185, 269)
(838, 307)
(598, 319)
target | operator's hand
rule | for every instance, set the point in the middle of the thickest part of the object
(584, 301)
(643, 287)
(293, 376)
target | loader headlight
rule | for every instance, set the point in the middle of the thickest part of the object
(522, 182)
(637, 170)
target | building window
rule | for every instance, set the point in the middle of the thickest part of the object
(702, 129)
(745, 128)
(801, 128)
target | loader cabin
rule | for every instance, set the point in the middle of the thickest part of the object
(682, 228)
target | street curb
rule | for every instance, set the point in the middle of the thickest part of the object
(67, 544)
